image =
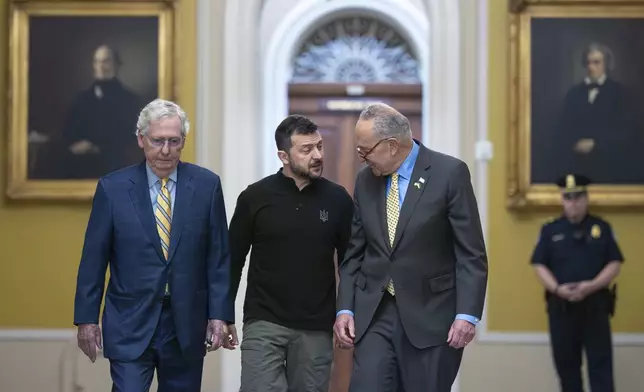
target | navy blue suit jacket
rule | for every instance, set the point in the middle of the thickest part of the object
(122, 233)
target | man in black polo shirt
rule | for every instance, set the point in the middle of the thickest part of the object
(294, 220)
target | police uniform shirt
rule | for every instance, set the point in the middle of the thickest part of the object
(576, 252)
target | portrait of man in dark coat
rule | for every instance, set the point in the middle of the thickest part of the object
(98, 133)
(89, 78)
(586, 91)
(598, 130)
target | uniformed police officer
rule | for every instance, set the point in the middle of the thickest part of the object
(576, 260)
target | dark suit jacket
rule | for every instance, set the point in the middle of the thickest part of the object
(438, 261)
(122, 233)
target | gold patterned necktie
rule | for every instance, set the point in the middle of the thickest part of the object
(163, 216)
(393, 212)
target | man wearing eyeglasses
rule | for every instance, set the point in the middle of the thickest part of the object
(576, 259)
(413, 279)
(161, 227)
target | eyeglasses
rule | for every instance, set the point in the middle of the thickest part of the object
(364, 155)
(160, 142)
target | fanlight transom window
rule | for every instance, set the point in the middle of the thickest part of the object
(355, 50)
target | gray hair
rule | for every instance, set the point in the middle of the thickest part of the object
(387, 121)
(158, 110)
(609, 59)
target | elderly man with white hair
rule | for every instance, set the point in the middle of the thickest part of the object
(413, 280)
(161, 227)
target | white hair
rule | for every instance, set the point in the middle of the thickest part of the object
(387, 121)
(157, 110)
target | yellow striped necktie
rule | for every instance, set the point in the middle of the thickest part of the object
(163, 215)
(393, 212)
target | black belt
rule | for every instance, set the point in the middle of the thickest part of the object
(590, 303)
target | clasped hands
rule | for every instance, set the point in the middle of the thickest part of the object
(460, 334)
(575, 291)
(221, 334)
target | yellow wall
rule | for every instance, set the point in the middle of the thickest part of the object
(515, 298)
(40, 253)
(40, 245)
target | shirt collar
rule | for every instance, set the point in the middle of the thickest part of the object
(406, 169)
(153, 178)
(600, 81)
(288, 181)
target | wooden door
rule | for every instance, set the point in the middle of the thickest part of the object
(336, 114)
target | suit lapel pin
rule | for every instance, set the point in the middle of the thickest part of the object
(417, 185)
(422, 180)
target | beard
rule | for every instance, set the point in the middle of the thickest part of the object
(310, 172)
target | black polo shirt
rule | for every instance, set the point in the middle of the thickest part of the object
(576, 252)
(294, 235)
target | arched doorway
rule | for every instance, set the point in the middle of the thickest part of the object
(244, 82)
(339, 69)
(402, 28)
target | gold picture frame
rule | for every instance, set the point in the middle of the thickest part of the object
(522, 192)
(520, 5)
(160, 15)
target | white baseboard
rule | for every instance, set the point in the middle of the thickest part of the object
(36, 334)
(540, 338)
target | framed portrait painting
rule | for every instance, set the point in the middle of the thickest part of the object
(80, 73)
(576, 96)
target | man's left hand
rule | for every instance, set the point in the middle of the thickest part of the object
(216, 333)
(461, 334)
(231, 341)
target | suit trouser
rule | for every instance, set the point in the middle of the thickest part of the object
(575, 327)
(174, 373)
(384, 360)
(279, 359)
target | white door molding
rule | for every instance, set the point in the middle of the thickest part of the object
(252, 89)
(440, 72)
